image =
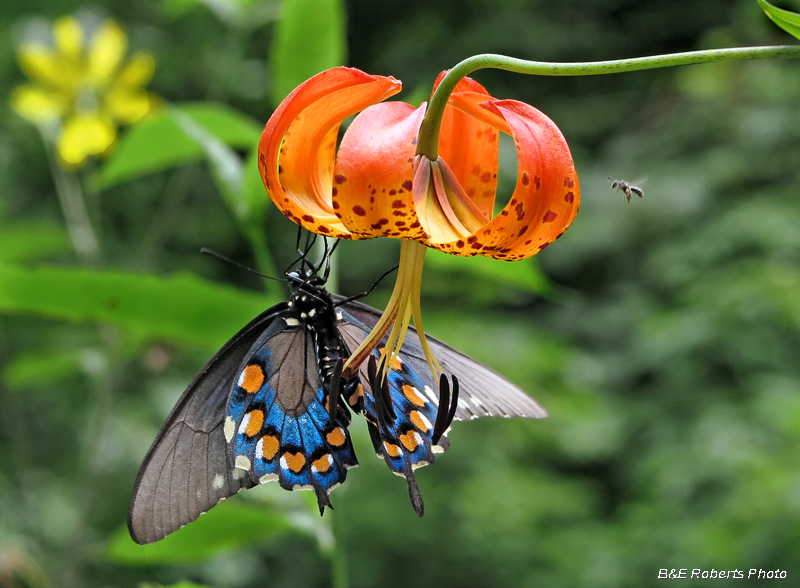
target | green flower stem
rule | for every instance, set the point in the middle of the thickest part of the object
(70, 196)
(428, 140)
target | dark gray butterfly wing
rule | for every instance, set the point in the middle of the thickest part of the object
(484, 392)
(188, 468)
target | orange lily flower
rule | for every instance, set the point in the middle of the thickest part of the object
(375, 184)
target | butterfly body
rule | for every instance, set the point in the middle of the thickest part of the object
(270, 406)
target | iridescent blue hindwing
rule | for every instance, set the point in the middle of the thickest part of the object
(276, 423)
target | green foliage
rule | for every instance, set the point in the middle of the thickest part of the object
(161, 142)
(181, 308)
(661, 336)
(310, 38)
(226, 527)
(28, 241)
(788, 21)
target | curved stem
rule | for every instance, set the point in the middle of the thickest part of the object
(70, 197)
(428, 141)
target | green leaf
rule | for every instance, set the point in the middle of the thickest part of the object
(181, 307)
(310, 37)
(226, 167)
(524, 274)
(40, 369)
(255, 194)
(788, 21)
(228, 526)
(24, 242)
(181, 584)
(159, 143)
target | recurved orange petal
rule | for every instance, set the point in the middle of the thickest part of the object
(297, 148)
(372, 192)
(546, 197)
(469, 146)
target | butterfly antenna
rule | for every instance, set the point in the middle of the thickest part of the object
(213, 253)
(368, 292)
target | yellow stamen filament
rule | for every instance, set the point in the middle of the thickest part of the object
(404, 303)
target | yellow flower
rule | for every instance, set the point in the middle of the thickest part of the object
(82, 89)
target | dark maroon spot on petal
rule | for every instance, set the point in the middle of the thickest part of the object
(472, 239)
(335, 204)
(339, 179)
(373, 191)
(262, 159)
(504, 212)
(399, 213)
(549, 216)
(383, 221)
(460, 244)
(280, 170)
(335, 192)
(522, 231)
(407, 185)
(543, 245)
(486, 176)
(525, 179)
(415, 225)
(398, 204)
(359, 211)
(392, 192)
(538, 181)
(323, 229)
(372, 199)
(569, 182)
(476, 245)
(399, 223)
(308, 218)
(529, 241)
(376, 226)
(569, 197)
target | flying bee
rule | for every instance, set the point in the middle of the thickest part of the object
(628, 189)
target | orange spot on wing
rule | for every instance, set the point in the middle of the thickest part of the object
(269, 446)
(323, 464)
(413, 396)
(253, 378)
(254, 423)
(418, 421)
(392, 449)
(409, 440)
(336, 437)
(356, 396)
(295, 461)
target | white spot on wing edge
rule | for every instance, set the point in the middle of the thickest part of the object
(229, 428)
(339, 315)
(243, 424)
(242, 462)
(218, 481)
(267, 478)
(302, 487)
(292, 322)
(429, 393)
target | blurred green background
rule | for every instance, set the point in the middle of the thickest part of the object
(663, 336)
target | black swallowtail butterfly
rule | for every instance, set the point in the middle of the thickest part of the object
(272, 405)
